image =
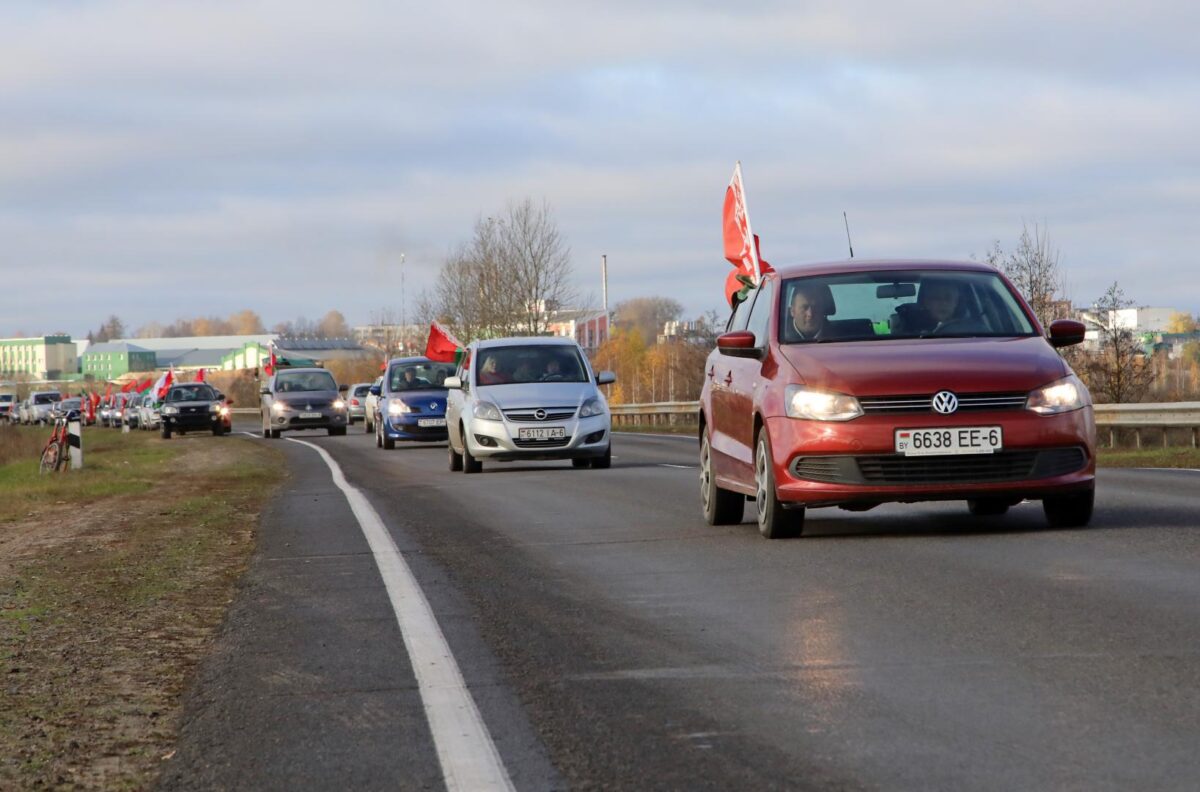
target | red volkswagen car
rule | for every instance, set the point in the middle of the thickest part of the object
(857, 383)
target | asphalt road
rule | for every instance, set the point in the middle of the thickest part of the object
(611, 639)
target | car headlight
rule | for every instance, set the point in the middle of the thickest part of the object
(818, 405)
(591, 407)
(1060, 396)
(170, 410)
(339, 404)
(214, 408)
(398, 407)
(487, 411)
(224, 410)
(278, 407)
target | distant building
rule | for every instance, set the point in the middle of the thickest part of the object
(114, 359)
(40, 357)
(589, 328)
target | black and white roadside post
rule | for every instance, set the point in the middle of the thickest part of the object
(75, 442)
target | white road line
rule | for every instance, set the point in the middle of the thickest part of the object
(464, 746)
(681, 467)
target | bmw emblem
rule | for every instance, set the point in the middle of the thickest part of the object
(945, 402)
(539, 414)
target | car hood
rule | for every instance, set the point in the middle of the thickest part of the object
(536, 394)
(920, 366)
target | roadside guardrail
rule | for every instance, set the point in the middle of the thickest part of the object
(1138, 418)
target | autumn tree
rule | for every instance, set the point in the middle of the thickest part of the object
(1181, 322)
(333, 325)
(647, 314)
(246, 322)
(1119, 371)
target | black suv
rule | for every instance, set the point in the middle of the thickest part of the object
(194, 407)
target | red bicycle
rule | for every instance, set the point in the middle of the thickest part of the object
(56, 456)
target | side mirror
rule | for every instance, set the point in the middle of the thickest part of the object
(375, 390)
(739, 343)
(265, 391)
(343, 388)
(1066, 332)
(452, 383)
(229, 402)
(606, 378)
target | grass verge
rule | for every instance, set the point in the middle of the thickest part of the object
(1149, 457)
(657, 429)
(112, 582)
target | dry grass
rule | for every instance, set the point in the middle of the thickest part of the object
(20, 442)
(111, 586)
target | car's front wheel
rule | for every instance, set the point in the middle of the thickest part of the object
(166, 432)
(720, 506)
(774, 521)
(456, 459)
(603, 462)
(1069, 511)
(470, 463)
(580, 462)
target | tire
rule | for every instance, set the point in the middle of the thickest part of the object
(470, 463)
(388, 442)
(581, 463)
(266, 430)
(1069, 511)
(774, 521)
(166, 432)
(603, 462)
(456, 460)
(719, 506)
(275, 433)
(217, 431)
(987, 507)
(378, 435)
(49, 457)
(368, 427)
(337, 431)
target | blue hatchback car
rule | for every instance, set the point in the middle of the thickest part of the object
(412, 401)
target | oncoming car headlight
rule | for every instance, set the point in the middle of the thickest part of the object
(1060, 396)
(818, 405)
(398, 407)
(591, 407)
(339, 404)
(487, 411)
(278, 407)
(170, 410)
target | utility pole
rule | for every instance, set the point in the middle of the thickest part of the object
(604, 280)
(403, 306)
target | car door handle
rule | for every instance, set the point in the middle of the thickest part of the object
(711, 370)
(729, 378)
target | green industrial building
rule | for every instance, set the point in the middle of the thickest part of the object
(40, 357)
(110, 360)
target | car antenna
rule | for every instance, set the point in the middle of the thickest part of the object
(846, 220)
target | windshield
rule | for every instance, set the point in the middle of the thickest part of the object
(362, 390)
(191, 393)
(864, 306)
(47, 398)
(419, 375)
(532, 363)
(301, 381)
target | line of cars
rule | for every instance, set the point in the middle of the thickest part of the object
(36, 408)
(508, 399)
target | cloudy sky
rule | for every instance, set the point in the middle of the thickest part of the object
(163, 159)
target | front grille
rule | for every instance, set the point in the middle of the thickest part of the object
(894, 469)
(966, 402)
(527, 415)
(555, 442)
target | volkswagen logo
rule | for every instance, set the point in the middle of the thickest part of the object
(539, 414)
(945, 402)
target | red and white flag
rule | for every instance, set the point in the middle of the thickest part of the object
(741, 243)
(164, 382)
(269, 369)
(442, 346)
(200, 375)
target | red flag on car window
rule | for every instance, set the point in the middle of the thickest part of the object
(442, 346)
(269, 369)
(167, 381)
(741, 243)
(128, 386)
(145, 384)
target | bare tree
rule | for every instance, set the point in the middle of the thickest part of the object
(509, 278)
(1033, 268)
(1119, 371)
